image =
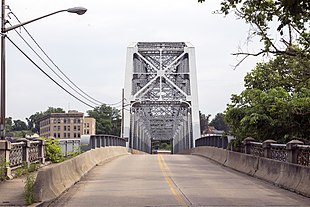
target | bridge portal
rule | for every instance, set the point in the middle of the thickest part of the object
(161, 91)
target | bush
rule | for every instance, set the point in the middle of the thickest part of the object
(29, 195)
(53, 151)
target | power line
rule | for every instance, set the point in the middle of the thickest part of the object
(52, 68)
(47, 74)
(53, 61)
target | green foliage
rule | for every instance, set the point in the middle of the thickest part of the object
(280, 24)
(219, 122)
(53, 151)
(204, 121)
(76, 151)
(276, 102)
(164, 146)
(25, 170)
(19, 125)
(28, 189)
(8, 124)
(108, 120)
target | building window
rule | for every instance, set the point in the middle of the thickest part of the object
(79, 128)
(58, 121)
(84, 131)
(87, 131)
(65, 120)
(65, 135)
(79, 121)
(68, 128)
(58, 135)
(74, 135)
(65, 128)
(54, 135)
(87, 125)
(58, 128)
(79, 135)
(69, 121)
(74, 121)
(68, 135)
(55, 121)
(74, 128)
(55, 128)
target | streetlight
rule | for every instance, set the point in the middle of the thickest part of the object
(76, 10)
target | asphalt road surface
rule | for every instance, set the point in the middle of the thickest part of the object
(170, 181)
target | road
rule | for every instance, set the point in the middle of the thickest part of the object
(170, 181)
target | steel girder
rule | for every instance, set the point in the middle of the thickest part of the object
(161, 90)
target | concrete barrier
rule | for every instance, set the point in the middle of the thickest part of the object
(213, 153)
(53, 180)
(242, 162)
(286, 175)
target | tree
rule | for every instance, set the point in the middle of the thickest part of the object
(108, 120)
(19, 125)
(290, 19)
(8, 124)
(204, 121)
(275, 104)
(219, 122)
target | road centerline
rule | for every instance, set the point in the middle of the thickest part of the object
(167, 175)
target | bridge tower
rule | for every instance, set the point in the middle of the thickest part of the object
(161, 92)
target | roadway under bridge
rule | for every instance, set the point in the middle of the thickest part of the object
(161, 92)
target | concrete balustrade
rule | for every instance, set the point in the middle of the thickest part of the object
(21, 152)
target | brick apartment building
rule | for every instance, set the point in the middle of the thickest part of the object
(67, 125)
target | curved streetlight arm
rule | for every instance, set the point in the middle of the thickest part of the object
(77, 10)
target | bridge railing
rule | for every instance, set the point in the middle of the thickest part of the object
(103, 140)
(212, 140)
(69, 146)
(20, 152)
(293, 152)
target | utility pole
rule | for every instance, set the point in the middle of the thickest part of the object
(123, 107)
(2, 92)
(76, 10)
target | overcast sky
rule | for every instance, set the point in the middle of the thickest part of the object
(91, 49)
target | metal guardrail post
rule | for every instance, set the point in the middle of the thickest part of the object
(292, 150)
(224, 142)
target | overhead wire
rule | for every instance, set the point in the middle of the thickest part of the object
(52, 68)
(47, 74)
(47, 56)
(89, 97)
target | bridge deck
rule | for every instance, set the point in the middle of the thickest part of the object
(173, 180)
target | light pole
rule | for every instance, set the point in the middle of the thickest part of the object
(76, 10)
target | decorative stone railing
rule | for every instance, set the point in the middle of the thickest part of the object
(22, 152)
(293, 152)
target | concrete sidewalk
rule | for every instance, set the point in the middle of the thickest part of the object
(12, 191)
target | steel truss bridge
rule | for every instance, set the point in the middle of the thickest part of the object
(161, 90)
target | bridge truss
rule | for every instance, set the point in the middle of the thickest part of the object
(161, 90)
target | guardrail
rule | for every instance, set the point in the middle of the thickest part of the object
(16, 153)
(103, 140)
(293, 152)
(212, 140)
(69, 146)
(21, 152)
